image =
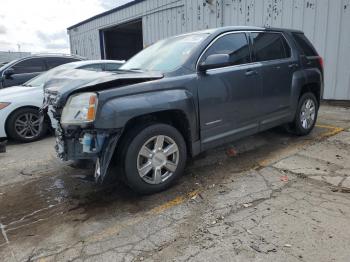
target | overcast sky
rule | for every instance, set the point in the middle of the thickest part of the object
(41, 25)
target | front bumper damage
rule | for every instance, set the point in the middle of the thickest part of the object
(91, 144)
(74, 143)
(77, 143)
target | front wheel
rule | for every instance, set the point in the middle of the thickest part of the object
(153, 158)
(306, 115)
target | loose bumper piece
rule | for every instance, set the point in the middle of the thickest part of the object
(96, 145)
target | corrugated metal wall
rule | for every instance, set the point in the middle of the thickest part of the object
(325, 22)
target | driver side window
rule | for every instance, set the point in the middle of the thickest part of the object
(236, 45)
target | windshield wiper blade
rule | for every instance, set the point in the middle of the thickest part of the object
(130, 70)
(136, 69)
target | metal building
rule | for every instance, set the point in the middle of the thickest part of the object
(123, 31)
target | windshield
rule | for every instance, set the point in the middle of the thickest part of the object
(44, 77)
(165, 55)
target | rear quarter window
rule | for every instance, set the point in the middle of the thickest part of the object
(304, 44)
(56, 61)
(112, 66)
(270, 46)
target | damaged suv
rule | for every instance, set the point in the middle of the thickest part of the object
(184, 95)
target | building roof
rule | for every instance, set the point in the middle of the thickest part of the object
(134, 2)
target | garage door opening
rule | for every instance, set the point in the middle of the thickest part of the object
(123, 41)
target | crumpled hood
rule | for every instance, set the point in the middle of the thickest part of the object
(83, 80)
(10, 94)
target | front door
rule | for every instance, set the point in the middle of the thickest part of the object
(229, 96)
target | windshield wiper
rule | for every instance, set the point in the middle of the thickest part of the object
(27, 85)
(131, 70)
(136, 69)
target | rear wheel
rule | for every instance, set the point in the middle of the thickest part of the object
(153, 158)
(24, 125)
(306, 115)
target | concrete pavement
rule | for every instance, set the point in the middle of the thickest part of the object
(281, 198)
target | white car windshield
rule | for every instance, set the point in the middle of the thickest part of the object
(165, 55)
(41, 79)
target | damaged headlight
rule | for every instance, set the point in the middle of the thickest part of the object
(80, 108)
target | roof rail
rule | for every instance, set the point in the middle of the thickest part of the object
(57, 54)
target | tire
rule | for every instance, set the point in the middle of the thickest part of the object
(165, 167)
(305, 121)
(29, 119)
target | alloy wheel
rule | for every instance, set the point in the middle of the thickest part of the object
(27, 125)
(308, 114)
(157, 159)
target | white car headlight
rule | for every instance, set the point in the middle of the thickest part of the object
(79, 109)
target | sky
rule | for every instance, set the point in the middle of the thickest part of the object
(41, 25)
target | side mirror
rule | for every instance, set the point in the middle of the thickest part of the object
(214, 61)
(8, 72)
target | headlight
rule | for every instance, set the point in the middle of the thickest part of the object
(3, 105)
(79, 109)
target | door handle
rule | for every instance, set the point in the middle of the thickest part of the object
(251, 73)
(293, 66)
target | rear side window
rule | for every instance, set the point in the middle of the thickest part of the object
(93, 67)
(112, 66)
(270, 46)
(235, 45)
(32, 65)
(304, 44)
(56, 61)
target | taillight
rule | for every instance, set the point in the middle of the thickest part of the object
(320, 60)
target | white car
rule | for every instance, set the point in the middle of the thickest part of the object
(19, 105)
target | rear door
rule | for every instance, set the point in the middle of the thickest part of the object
(229, 96)
(25, 70)
(273, 52)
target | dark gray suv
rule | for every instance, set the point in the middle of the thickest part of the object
(184, 95)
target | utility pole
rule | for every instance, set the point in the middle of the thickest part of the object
(19, 49)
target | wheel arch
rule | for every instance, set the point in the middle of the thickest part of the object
(47, 118)
(312, 87)
(173, 117)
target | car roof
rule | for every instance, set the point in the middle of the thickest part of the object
(79, 63)
(42, 56)
(240, 28)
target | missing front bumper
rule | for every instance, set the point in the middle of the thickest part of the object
(98, 146)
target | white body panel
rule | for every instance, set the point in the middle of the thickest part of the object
(18, 96)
